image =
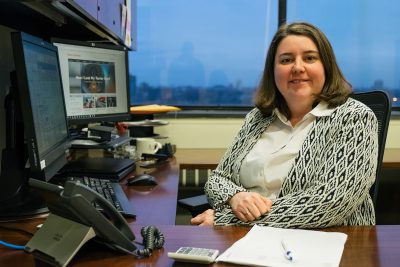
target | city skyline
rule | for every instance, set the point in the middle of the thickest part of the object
(206, 43)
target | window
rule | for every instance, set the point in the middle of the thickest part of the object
(365, 37)
(200, 53)
(210, 53)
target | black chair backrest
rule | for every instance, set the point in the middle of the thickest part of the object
(379, 102)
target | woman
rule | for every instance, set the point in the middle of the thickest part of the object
(306, 155)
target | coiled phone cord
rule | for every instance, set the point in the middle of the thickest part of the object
(152, 239)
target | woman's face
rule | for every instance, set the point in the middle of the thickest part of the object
(299, 72)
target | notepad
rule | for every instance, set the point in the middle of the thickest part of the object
(262, 246)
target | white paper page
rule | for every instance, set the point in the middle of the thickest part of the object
(262, 246)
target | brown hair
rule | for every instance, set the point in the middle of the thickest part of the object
(336, 89)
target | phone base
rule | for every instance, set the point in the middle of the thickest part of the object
(58, 240)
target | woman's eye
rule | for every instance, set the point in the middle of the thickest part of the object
(285, 60)
(310, 58)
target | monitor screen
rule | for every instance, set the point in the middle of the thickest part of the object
(95, 81)
(36, 126)
(42, 104)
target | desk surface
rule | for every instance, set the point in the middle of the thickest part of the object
(391, 158)
(156, 204)
(365, 246)
(147, 199)
(199, 158)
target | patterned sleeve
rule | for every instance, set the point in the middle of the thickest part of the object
(223, 183)
(335, 182)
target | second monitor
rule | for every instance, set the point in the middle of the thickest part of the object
(95, 79)
(96, 89)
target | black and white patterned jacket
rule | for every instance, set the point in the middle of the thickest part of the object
(329, 183)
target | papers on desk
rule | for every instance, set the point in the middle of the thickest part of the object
(151, 109)
(262, 246)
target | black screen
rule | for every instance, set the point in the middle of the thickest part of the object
(37, 109)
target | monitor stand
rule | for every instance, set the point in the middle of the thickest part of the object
(17, 199)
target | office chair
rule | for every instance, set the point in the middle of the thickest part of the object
(377, 101)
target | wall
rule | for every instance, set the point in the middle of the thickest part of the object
(6, 65)
(200, 133)
(219, 133)
(393, 140)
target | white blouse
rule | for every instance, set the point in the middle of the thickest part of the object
(268, 163)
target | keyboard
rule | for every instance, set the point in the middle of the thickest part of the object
(110, 190)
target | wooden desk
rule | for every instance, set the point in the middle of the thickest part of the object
(199, 158)
(365, 246)
(156, 205)
(145, 199)
(209, 158)
(391, 158)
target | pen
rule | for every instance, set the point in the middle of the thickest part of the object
(287, 250)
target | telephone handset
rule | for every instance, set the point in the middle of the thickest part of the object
(74, 202)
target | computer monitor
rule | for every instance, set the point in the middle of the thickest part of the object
(38, 92)
(42, 104)
(95, 81)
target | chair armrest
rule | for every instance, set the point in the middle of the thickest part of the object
(195, 205)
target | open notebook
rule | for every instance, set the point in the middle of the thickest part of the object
(267, 246)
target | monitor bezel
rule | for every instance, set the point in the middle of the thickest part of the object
(44, 166)
(115, 117)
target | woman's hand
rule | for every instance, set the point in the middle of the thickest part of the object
(249, 206)
(204, 219)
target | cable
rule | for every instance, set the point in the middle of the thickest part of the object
(11, 245)
(152, 239)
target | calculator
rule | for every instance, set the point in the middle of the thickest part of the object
(196, 255)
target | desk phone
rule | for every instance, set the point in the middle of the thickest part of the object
(74, 220)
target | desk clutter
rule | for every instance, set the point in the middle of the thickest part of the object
(97, 137)
(141, 146)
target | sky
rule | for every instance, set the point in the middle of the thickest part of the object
(223, 39)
